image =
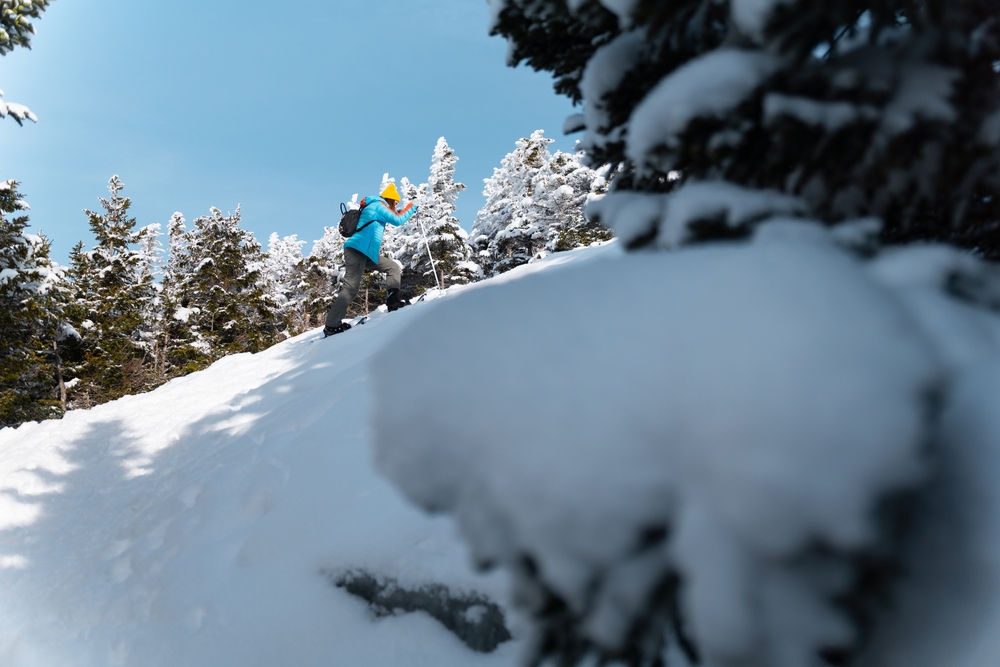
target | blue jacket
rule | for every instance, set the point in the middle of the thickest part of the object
(368, 241)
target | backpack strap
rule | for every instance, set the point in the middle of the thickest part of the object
(364, 202)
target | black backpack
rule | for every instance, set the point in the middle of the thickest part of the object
(349, 218)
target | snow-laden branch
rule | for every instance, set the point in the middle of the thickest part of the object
(18, 112)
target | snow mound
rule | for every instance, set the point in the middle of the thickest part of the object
(780, 464)
(726, 433)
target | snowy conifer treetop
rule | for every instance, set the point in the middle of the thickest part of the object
(434, 232)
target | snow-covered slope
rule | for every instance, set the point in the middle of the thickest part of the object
(205, 523)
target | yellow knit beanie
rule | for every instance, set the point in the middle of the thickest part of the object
(391, 193)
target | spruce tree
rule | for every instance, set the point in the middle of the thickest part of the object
(508, 231)
(534, 206)
(150, 270)
(284, 268)
(435, 225)
(113, 300)
(32, 292)
(181, 348)
(224, 290)
(176, 265)
(567, 185)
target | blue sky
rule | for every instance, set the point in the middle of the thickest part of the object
(287, 108)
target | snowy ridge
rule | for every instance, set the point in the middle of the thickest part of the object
(201, 523)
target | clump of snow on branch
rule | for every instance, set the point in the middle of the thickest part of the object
(672, 215)
(708, 86)
(18, 112)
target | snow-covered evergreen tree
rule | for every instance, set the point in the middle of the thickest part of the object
(150, 269)
(150, 253)
(179, 349)
(329, 250)
(534, 206)
(176, 244)
(507, 233)
(565, 186)
(32, 290)
(223, 292)
(283, 273)
(386, 181)
(113, 300)
(435, 225)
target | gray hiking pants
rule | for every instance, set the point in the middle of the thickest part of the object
(355, 265)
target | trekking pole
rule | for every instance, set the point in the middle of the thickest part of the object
(429, 255)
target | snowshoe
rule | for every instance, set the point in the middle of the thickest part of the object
(332, 331)
(343, 326)
(426, 295)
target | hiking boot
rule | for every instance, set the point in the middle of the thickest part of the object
(340, 328)
(393, 302)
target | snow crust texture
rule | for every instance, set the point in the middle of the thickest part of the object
(730, 426)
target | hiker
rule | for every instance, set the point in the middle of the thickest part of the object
(361, 252)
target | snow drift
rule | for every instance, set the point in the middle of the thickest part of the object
(725, 451)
